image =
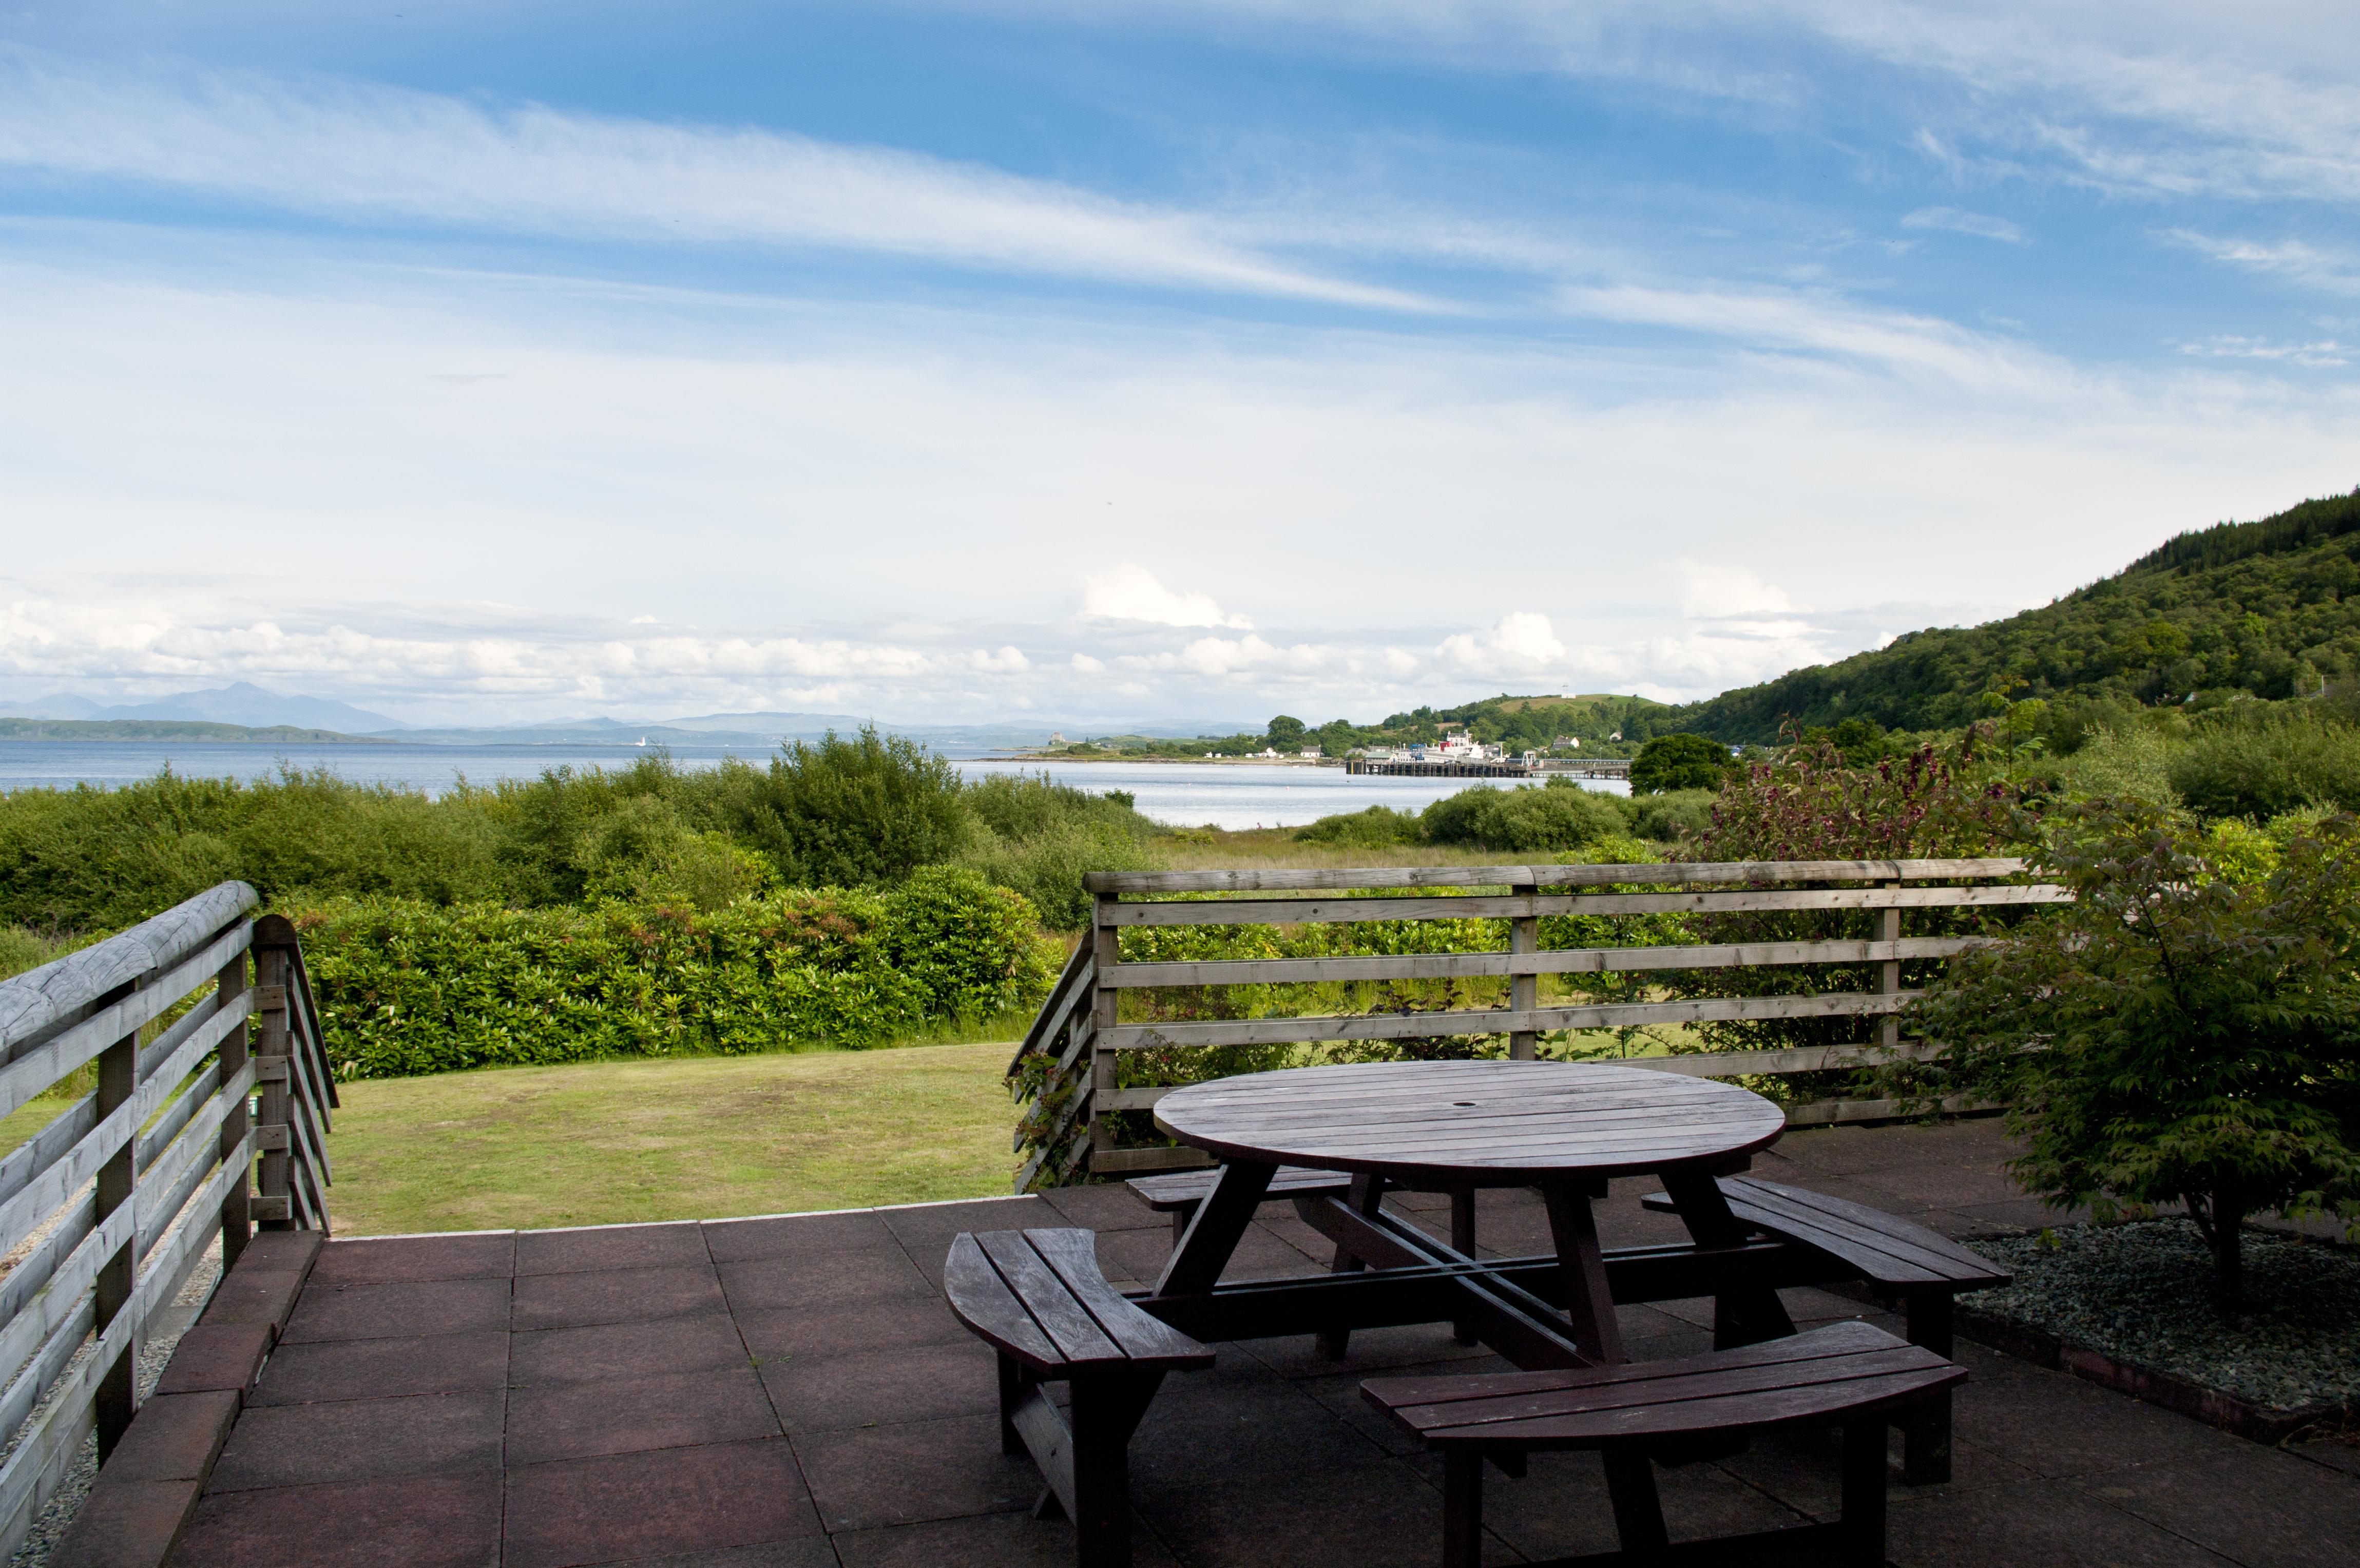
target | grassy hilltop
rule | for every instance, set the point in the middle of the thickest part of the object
(2266, 610)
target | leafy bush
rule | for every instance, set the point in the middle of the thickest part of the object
(1810, 806)
(2267, 764)
(1559, 815)
(1673, 815)
(1680, 761)
(2132, 762)
(407, 987)
(864, 811)
(2197, 1024)
(1375, 827)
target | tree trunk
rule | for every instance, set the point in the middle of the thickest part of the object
(2224, 1225)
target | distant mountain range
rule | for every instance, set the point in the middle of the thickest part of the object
(251, 706)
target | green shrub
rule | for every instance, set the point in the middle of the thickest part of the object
(2267, 763)
(1683, 761)
(1375, 827)
(2132, 762)
(2194, 1013)
(407, 987)
(1674, 814)
(1559, 815)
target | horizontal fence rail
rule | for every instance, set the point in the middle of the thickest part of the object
(1067, 1068)
(107, 1210)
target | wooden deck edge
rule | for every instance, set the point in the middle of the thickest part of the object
(2215, 1407)
(145, 1493)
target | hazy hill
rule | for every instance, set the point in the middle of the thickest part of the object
(175, 729)
(243, 704)
(2268, 609)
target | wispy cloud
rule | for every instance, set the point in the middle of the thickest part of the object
(356, 150)
(1823, 322)
(2324, 351)
(2337, 272)
(1980, 224)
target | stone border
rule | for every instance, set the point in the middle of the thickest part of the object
(150, 1484)
(2214, 1408)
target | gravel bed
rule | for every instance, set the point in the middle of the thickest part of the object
(2141, 1294)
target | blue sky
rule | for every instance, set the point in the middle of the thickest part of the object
(960, 361)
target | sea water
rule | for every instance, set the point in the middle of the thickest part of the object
(1185, 795)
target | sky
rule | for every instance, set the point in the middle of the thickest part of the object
(970, 360)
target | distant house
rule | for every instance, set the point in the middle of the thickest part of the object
(1311, 751)
(1055, 738)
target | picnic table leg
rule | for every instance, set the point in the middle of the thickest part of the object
(1107, 1410)
(1588, 1303)
(1368, 1197)
(1462, 1241)
(1749, 1314)
(1214, 1232)
(1638, 1507)
(1863, 1494)
(1925, 1432)
(1462, 1510)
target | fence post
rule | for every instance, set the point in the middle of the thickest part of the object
(238, 1209)
(272, 976)
(1888, 975)
(1525, 990)
(119, 1080)
(1105, 1000)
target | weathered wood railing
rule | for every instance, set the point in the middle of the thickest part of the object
(106, 1210)
(1079, 1035)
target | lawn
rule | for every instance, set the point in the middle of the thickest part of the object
(617, 1142)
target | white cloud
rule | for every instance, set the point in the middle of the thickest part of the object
(1085, 665)
(344, 149)
(1007, 660)
(1977, 224)
(1521, 641)
(1824, 324)
(2321, 353)
(1218, 656)
(1711, 589)
(2337, 272)
(1131, 592)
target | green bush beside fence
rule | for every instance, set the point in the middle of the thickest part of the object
(408, 987)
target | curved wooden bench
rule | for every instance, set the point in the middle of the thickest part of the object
(1853, 1375)
(1040, 1300)
(1180, 1193)
(1893, 1255)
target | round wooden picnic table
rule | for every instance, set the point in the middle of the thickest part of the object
(1564, 1128)
(1480, 1123)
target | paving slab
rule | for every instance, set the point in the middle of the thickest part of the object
(792, 1392)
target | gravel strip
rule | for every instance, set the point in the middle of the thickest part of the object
(2141, 1294)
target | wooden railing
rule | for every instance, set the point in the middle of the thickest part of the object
(1078, 1036)
(107, 1210)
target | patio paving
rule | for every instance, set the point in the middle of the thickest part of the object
(792, 1392)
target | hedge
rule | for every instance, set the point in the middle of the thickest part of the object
(406, 987)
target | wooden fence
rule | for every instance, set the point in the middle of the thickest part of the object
(1079, 1034)
(107, 1209)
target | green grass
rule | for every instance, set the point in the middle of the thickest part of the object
(623, 1141)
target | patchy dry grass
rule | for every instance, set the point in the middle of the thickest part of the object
(618, 1142)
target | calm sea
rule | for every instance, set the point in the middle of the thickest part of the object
(1224, 795)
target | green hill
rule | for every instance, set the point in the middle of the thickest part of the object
(2267, 609)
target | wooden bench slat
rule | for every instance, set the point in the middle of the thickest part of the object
(1778, 1407)
(1844, 1370)
(1708, 1384)
(1886, 1248)
(1072, 1256)
(1067, 1322)
(1904, 1239)
(1186, 1190)
(982, 1300)
(1846, 1338)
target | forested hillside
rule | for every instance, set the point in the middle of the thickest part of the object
(2267, 609)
